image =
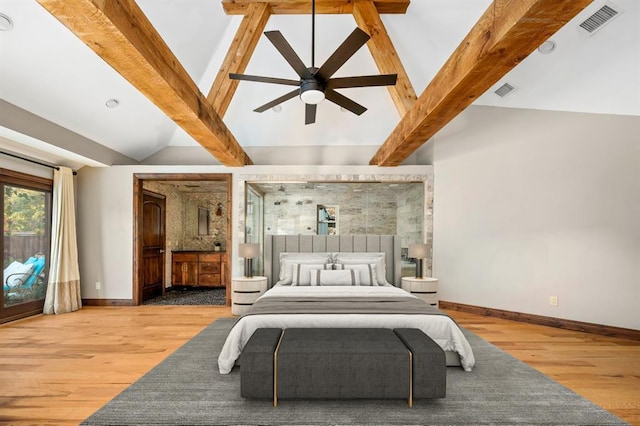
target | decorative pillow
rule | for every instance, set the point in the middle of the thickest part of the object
(367, 272)
(286, 266)
(16, 274)
(290, 255)
(323, 277)
(301, 273)
(361, 258)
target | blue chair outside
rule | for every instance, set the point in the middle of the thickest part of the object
(29, 279)
(38, 267)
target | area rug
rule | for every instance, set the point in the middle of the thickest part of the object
(186, 389)
(190, 296)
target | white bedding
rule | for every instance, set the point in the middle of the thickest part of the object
(442, 329)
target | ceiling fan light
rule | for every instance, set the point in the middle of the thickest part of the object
(311, 92)
(312, 96)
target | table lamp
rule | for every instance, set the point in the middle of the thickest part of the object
(418, 252)
(248, 251)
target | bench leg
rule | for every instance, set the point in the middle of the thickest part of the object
(275, 371)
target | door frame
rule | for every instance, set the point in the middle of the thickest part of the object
(138, 179)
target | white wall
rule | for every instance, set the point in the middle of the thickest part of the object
(105, 216)
(14, 164)
(532, 204)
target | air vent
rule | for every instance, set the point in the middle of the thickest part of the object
(504, 90)
(602, 16)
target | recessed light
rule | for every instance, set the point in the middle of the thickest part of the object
(547, 47)
(6, 24)
(277, 108)
(112, 103)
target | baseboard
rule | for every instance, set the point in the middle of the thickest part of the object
(604, 330)
(107, 302)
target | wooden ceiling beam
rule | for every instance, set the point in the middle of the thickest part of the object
(238, 56)
(298, 7)
(504, 36)
(385, 55)
(120, 33)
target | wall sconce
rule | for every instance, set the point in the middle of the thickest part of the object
(248, 251)
(418, 252)
(219, 210)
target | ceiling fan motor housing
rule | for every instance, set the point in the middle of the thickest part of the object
(311, 91)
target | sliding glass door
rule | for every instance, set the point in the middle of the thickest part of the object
(26, 230)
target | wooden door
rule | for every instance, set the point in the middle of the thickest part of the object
(153, 245)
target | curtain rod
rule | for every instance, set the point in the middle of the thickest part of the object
(34, 161)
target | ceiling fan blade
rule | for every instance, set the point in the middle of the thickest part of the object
(355, 41)
(288, 53)
(310, 113)
(363, 81)
(260, 79)
(344, 102)
(277, 101)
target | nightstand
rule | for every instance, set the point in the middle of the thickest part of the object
(423, 288)
(245, 291)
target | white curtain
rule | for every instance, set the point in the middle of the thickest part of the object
(63, 291)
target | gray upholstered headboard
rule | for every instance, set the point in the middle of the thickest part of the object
(275, 244)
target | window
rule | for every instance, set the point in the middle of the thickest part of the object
(327, 220)
(26, 236)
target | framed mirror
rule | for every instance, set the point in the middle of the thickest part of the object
(203, 221)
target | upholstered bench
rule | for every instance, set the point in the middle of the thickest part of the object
(342, 363)
(256, 364)
(429, 364)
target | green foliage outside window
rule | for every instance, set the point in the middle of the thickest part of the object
(24, 211)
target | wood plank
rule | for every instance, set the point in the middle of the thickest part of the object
(504, 36)
(299, 7)
(71, 365)
(595, 367)
(238, 56)
(385, 55)
(120, 33)
(63, 368)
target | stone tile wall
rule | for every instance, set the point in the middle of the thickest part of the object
(181, 227)
(295, 216)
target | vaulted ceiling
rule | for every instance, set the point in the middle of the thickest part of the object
(167, 64)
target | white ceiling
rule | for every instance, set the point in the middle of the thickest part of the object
(47, 71)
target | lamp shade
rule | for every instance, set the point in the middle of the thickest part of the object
(418, 251)
(248, 250)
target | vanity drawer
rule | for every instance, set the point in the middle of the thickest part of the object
(185, 257)
(209, 267)
(210, 257)
(208, 280)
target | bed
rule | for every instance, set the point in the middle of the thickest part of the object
(340, 282)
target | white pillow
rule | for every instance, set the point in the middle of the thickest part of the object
(286, 266)
(378, 258)
(301, 273)
(297, 255)
(323, 277)
(16, 274)
(367, 272)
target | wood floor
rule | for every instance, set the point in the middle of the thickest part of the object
(60, 369)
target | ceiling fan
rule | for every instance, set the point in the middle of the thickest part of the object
(316, 84)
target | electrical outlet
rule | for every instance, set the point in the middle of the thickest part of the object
(98, 285)
(553, 300)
